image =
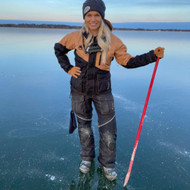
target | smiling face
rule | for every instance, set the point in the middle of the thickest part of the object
(93, 21)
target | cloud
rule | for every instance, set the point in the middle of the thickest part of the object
(129, 3)
(52, 2)
(117, 11)
(163, 2)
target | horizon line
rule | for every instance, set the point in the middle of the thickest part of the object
(112, 22)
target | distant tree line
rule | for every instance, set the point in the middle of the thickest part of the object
(40, 26)
(56, 26)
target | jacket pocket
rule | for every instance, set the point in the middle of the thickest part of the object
(77, 84)
(103, 81)
(105, 104)
(78, 104)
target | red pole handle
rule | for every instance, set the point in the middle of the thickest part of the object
(140, 125)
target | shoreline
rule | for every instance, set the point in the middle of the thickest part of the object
(52, 26)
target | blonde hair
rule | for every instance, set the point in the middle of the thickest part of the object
(103, 39)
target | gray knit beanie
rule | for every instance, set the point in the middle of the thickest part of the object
(94, 5)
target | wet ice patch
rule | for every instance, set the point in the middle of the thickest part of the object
(128, 104)
(47, 124)
(176, 149)
(31, 172)
(23, 133)
(38, 126)
(51, 157)
(7, 75)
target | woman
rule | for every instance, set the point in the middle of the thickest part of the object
(95, 47)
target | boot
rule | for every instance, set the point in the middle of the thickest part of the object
(110, 173)
(85, 166)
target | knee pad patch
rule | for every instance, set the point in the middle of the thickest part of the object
(109, 140)
(85, 134)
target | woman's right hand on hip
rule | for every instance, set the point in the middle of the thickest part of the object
(75, 72)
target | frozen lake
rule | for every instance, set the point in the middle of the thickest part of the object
(36, 151)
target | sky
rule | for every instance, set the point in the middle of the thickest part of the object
(116, 10)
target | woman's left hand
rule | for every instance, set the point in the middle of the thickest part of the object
(159, 52)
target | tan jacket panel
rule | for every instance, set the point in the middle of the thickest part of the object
(74, 41)
(117, 50)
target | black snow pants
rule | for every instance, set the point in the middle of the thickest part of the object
(104, 105)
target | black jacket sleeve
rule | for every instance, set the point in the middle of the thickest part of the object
(60, 52)
(141, 60)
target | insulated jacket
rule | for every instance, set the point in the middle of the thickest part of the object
(95, 76)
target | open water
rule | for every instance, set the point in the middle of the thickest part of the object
(36, 151)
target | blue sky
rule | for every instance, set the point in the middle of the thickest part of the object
(116, 10)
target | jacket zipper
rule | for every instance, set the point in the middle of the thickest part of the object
(100, 59)
(108, 86)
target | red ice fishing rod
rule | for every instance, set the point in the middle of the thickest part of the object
(140, 125)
